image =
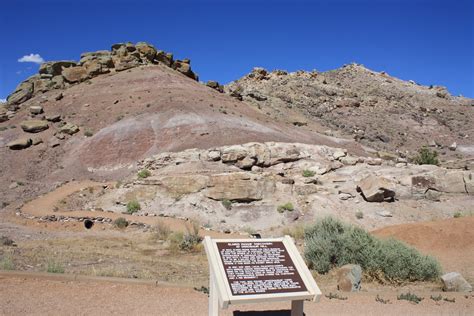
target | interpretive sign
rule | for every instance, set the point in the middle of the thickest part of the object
(258, 270)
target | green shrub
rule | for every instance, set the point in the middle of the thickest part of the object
(133, 206)
(7, 263)
(308, 173)
(285, 207)
(359, 215)
(458, 214)
(227, 204)
(88, 133)
(144, 174)
(120, 222)
(426, 157)
(410, 297)
(54, 267)
(331, 243)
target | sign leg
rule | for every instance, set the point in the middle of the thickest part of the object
(297, 308)
(213, 298)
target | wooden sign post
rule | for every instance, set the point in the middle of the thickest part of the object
(257, 270)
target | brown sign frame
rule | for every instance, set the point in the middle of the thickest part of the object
(222, 287)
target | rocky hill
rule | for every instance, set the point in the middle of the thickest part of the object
(97, 117)
(377, 110)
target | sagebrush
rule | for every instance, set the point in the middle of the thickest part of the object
(331, 243)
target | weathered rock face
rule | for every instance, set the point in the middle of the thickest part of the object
(454, 282)
(123, 56)
(388, 114)
(376, 189)
(34, 126)
(238, 187)
(349, 278)
(257, 178)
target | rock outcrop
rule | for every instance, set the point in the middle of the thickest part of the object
(393, 116)
(123, 56)
(250, 182)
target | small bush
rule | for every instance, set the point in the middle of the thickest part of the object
(227, 204)
(359, 215)
(7, 263)
(436, 298)
(297, 232)
(426, 157)
(120, 222)
(133, 206)
(285, 207)
(458, 214)
(381, 300)
(308, 173)
(88, 133)
(331, 243)
(145, 173)
(55, 267)
(336, 296)
(162, 231)
(410, 297)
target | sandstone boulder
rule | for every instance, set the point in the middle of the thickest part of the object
(185, 69)
(349, 278)
(164, 58)
(75, 74)
(55, 68)
(69, 128)
(23, 92)
(34, 126)
(215, 85)
(376, 189)
(19, 144)
(454, 282)
(147, 50)
(36, 109)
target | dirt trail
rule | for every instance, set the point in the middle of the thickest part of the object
(58, 295)
(45, 204)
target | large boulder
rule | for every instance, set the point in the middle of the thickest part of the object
(126, 62)
(184, 68)
(215, 85)
(376, 189)
(55, 67)
(147, 50)
(349, 277)
(23, 92)
(34, 126)
(454, 282)
(164, 58)
(19, 144)
(75, 74)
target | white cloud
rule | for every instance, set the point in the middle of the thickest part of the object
(3, 100)
(31, 58)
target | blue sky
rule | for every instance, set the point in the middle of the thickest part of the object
(430, 42)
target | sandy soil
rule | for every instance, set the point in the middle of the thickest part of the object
(38, 295)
